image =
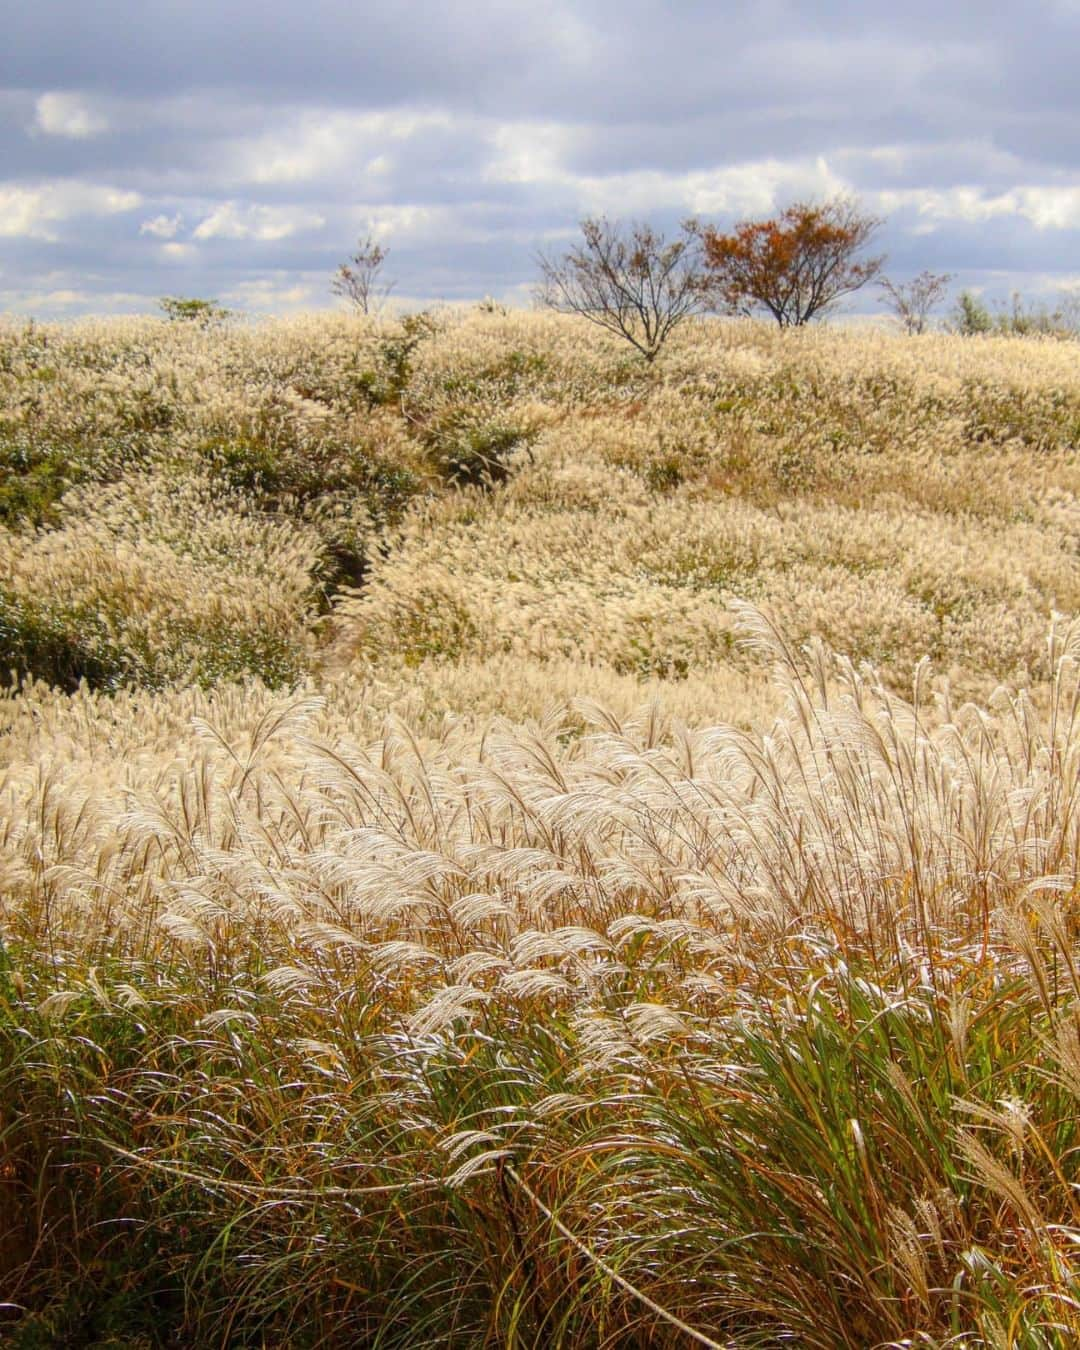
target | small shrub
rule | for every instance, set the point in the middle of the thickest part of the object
(396, 352)
(472, 452)
(970, 317)
(1023, 319)
(434, 624)
(511, 375)
(63, 645)
(190, 309)
(32, 481)
(383, 384)
(664, 474)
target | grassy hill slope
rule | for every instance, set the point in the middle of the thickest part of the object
(483, 860)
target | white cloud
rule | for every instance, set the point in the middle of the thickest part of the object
(387, 223)
(261, 223)
(740, 189)
(32, 212)
(69, 115)
(66, 299)
(336, 145)
(162, 227)
(175, 252)
(423, 224)
(267, 294)
(1055, 207)
(763, 185)
(536, 153)
(954, 203)
(529, 152)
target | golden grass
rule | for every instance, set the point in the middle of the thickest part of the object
(572, 953)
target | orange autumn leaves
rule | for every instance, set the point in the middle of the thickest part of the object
(795, 266)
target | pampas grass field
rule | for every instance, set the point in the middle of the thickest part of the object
(505, 846)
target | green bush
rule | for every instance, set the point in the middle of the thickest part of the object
(1023, 319)
(384, 384)
(970, 317)
(32, 481)
(470, 450)
(189, 309)
(64, 645)
(67, 645)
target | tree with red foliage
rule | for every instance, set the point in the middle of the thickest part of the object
(795, 266)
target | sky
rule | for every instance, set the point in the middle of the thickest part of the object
(237, 149)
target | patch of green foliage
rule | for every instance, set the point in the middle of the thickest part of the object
(384, 384)
(33, 478)
(191, 309)
(67, 645)
(469, 449)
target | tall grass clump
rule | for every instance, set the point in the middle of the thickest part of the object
(150, 581)
(638, 1035)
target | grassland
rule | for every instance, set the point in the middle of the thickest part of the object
(503, 847)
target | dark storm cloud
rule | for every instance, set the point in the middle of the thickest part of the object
(151, 146)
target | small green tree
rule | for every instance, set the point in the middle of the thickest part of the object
(189, 309)
(970, 317)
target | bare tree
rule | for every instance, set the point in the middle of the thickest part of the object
(796, 265)
(911, 301)
(630, 281)
(358, 279)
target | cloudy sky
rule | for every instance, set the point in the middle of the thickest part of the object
(236, 148)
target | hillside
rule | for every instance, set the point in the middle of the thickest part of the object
(500, 845)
